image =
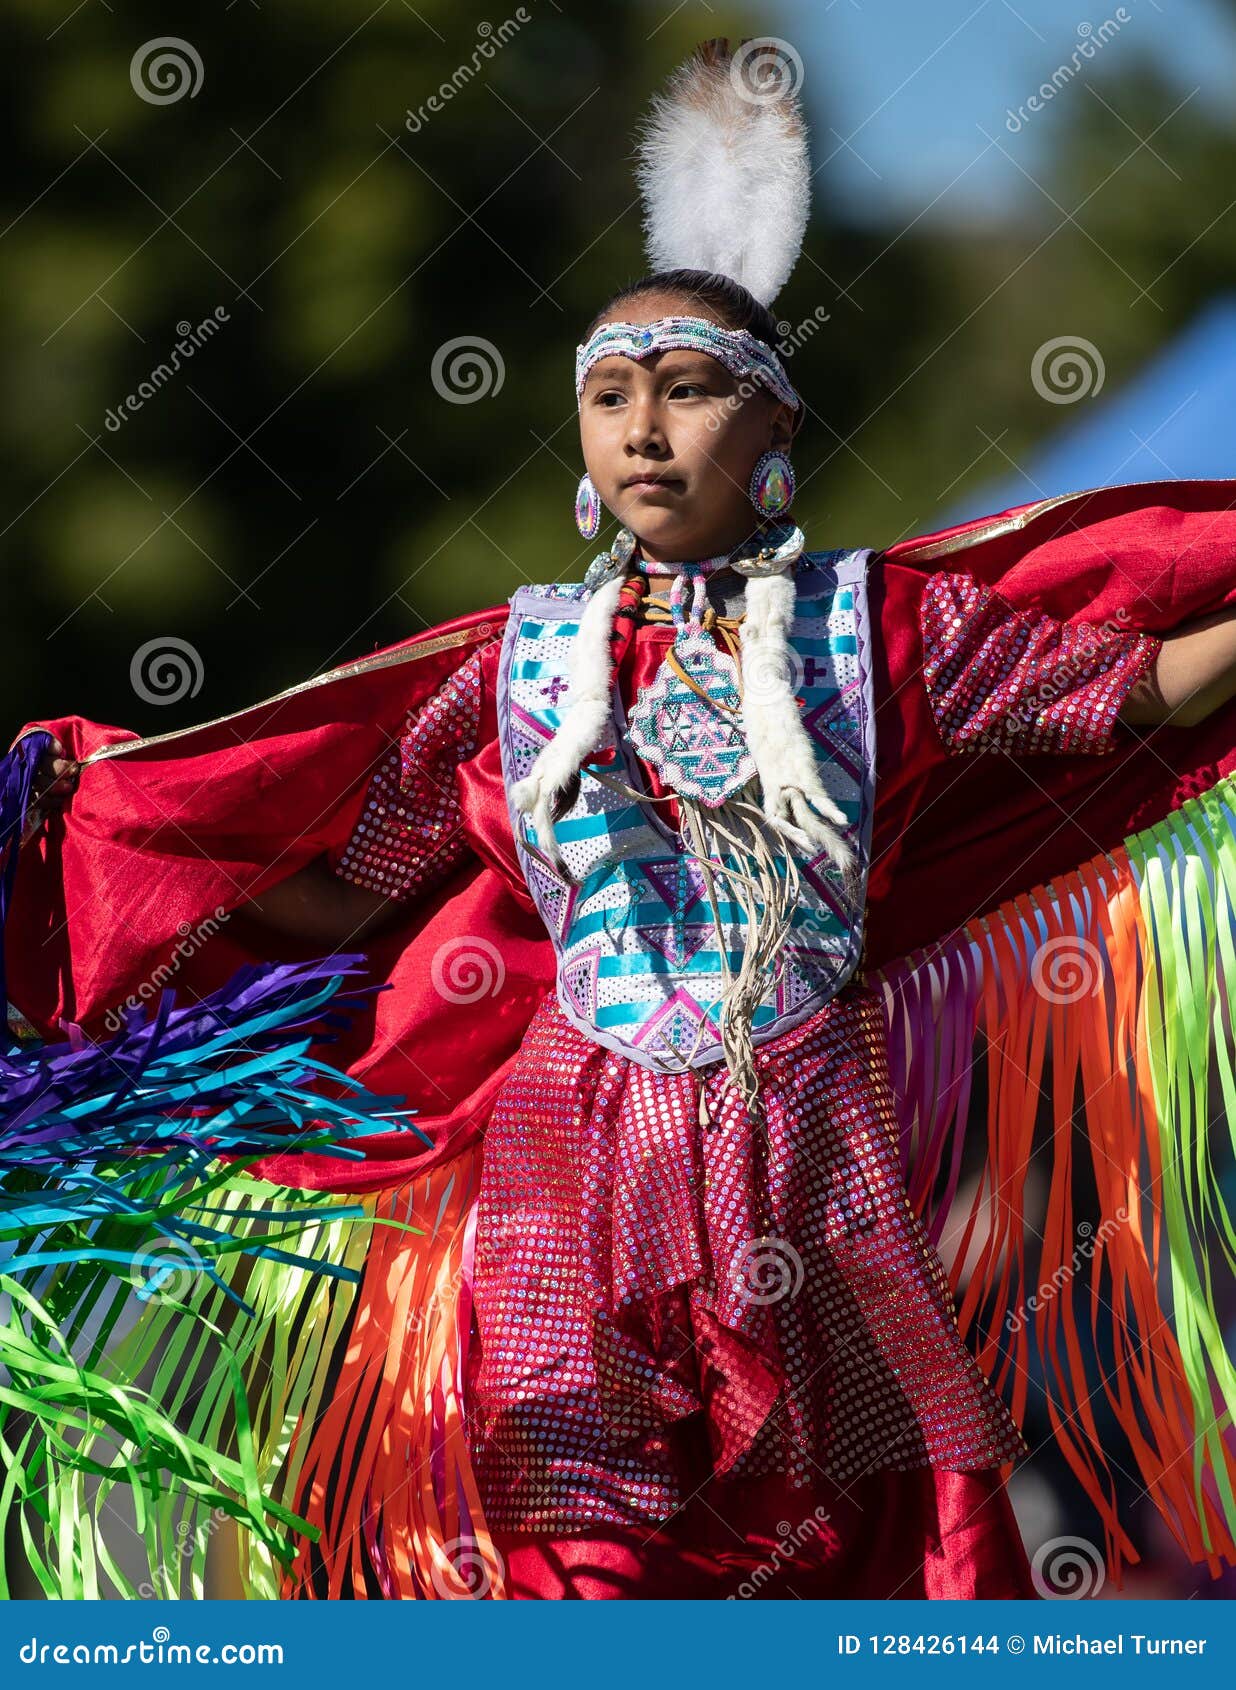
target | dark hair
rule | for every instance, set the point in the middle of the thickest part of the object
(727, 299)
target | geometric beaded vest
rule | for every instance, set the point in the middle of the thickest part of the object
(638, 958)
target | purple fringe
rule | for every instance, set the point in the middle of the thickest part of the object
(16, 784)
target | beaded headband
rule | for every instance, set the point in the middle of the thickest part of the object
(738, 349)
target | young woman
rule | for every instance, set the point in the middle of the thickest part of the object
(679, 1323)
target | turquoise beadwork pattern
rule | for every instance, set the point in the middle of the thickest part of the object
(639, 966)
(698, 744)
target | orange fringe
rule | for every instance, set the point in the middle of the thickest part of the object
(1100, 1041)
(368, 1476)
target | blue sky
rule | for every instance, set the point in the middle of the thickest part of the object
(908, 83)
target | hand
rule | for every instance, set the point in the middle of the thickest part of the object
(55, 782)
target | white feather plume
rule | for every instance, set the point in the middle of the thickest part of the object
(725, 173)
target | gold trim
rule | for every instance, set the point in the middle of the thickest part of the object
(959, 542)
(942, 548)
(362, 666)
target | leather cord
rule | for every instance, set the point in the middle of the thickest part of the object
(656, 610)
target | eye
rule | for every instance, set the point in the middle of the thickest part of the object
(610, 393)
(687, 387)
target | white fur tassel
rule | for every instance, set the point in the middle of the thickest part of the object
(794, 800)
(587, 712)
(725, 173)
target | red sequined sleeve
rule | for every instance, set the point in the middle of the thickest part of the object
(1003, 679)
(409, 835)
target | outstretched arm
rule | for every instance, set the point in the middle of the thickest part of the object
(316, 904)
(1192, 676)
(1015, 680)
(407, 839)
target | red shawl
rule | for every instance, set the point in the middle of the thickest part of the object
(163, 841)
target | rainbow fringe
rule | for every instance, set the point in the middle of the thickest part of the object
(314, 1403)
(159, 1342)
(1118, 975)
(177, 1402)
(386, 1479)
(311, 1447)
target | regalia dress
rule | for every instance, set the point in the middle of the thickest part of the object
(648, 1288)
(645, 1341)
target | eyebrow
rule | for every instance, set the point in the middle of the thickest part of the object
(612, 367)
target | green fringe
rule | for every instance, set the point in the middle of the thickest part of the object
(1185, 868)
(180, 1402)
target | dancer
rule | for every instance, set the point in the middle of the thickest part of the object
(696, 888)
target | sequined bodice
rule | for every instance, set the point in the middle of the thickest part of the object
(639, 961)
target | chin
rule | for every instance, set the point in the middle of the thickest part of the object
(662, 529)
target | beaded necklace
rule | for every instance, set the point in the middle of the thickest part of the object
(686, 722)
(772, 549)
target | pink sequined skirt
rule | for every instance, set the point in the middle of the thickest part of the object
(635, 1268)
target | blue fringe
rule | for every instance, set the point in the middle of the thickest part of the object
(115, 1131)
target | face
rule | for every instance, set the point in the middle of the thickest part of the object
(670, 441)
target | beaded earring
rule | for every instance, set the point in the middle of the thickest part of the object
(587, 507)
(772, 484)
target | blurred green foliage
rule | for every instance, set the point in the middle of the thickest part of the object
(299, 492)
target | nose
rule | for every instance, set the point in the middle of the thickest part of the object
(645, 433)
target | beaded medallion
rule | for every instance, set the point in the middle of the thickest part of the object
(688, 723)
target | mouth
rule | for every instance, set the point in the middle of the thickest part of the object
(645, 483)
